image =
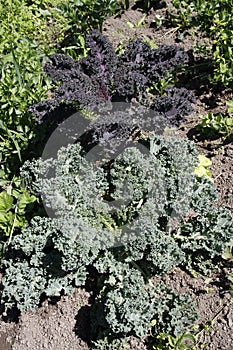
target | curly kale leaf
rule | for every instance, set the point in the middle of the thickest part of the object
(144, 176)
(135, 174)
(175, 105)
(83, 91)
(149, 179)
(47, 258)
(154, 251)
(77, 86)
(103, 76)
(129, 83)
(23, 286)
(51, 111)
(111, 344)
(61, 67)
(204, 237)
(117, 126)
(205, 194)
(126, 306)
(166, 58)
(69, 184)
(178, 179)
(100, 61)
(174, 313)
(129, 309)
(116, 214)
(153, 63)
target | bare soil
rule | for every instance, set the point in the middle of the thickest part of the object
(64, 325)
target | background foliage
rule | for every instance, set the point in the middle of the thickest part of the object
(215, 19)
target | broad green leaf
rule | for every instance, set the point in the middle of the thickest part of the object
(6, 222)
(6, 201)
(230, 106)
(3, 182)
(201, 171)
(3, 217)
(24, 200)
(229, 121)
(19, 221)
(185, 337)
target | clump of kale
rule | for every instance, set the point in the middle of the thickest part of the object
(113, 219)
(103, 76)
(126, 303)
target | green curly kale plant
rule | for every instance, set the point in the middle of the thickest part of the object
(129, 218)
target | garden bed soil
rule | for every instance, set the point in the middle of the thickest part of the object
(65, 324)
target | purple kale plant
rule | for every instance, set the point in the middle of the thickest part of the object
(103, 76)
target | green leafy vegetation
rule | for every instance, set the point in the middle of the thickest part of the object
(146, 4)
(29, 32)
(27, 35)
(215, 19)
(16, 203)
(184, 341)
(202, 168)
(124, 222)
(13, 202)
(125, 246)
(219, 125)
(214, 126)
(85, 15)
(39, 23)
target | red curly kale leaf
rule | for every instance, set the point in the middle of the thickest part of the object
(103, 76)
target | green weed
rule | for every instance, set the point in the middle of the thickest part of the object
(215, 19)
(214, 126)
(84, 15)
(162, 84)
(15, 203)
(184, 341)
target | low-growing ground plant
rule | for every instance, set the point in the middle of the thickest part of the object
(215, 19)
(202, 168)
(146, 5)
(219, 125)
(29, 32)
(103, 76)
(85, 15)
(126, 246)
(15, 211)
(184, 341)
(26, 38)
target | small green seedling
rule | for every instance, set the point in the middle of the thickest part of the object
(138, 24)
(160, 86)
(184, 341)
(216, 125)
